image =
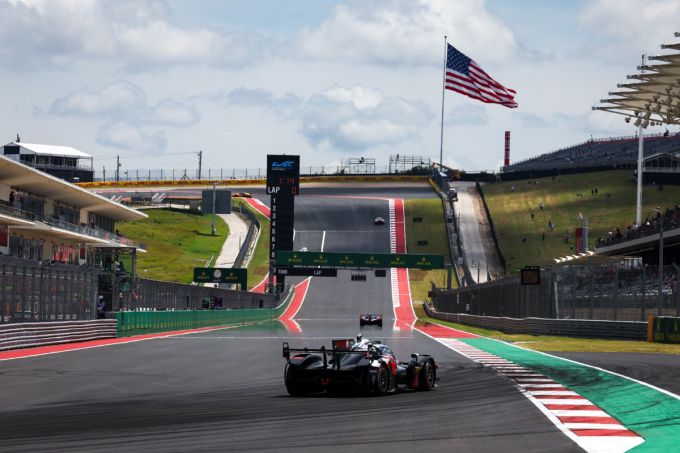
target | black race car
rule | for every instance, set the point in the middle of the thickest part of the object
(370, 319)
(355, 365)
(379, 221)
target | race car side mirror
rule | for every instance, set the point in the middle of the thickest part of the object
(286, 351)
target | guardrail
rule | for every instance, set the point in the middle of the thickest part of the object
(138, 322)
(453, 250)
(493, 229)
(255, 181)
(24, 335)
(587, 328)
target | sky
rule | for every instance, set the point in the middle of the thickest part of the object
(155, 81)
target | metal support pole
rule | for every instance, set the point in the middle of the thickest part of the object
(641, 148)
(213, 208)
(200, 161)
(659, 309)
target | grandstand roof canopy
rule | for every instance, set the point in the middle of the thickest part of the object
(51, 150)
(653, 95)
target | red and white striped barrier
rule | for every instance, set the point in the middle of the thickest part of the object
(30, 334)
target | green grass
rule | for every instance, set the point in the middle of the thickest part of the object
(259, 263)
(176, 243)
(433, 230)
(548, 343)
(511, 212)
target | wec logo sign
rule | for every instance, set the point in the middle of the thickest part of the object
(285, 165)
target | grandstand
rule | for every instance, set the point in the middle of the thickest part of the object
(613, 152)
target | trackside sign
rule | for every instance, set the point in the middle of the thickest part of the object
(366, 260)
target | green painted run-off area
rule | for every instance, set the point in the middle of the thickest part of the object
(652, 414)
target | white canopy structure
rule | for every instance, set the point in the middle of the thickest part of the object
(652, 98)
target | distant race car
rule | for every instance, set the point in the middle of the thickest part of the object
(243, 195)
(370, 319)
(304, 249)
(379, 221)
(357, 365)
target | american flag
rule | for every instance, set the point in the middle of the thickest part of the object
(464, 76)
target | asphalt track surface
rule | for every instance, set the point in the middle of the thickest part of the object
(223, 390)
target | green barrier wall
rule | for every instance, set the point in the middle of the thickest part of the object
(666, 329)
(141, 322)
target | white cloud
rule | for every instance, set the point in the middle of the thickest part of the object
(467, 114)
(112, 99)
(338, 123)
(630, 26)
(344, 118)
(139, 34)
(169, 112)
(124, 101)
(406, 32)
(122, 134)
(362, 98)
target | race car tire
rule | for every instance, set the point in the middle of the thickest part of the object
(427, 376)
(292, 388)
(380, 323)
(382, 380)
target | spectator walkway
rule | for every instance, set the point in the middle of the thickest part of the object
(473, 242)
(238, 229)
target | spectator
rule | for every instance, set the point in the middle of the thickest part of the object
(541, 206)
(101, 308)
(532, 216)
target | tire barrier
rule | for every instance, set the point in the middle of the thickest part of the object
(30, 334)
(663, 329)
(586, 328)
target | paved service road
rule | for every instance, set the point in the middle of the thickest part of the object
(469, 230)
(223, 390)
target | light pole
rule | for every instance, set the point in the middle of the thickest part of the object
(213, 208)
(660, 307)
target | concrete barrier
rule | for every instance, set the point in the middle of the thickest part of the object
(30, 334)
(587, 328)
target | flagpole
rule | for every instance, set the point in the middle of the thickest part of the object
(441, 137)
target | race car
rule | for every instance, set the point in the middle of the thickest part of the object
(379, 221)
(242, 195)
(359, 365)
(370, 319)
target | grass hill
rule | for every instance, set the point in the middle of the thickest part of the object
(526, 241)
(176, 243)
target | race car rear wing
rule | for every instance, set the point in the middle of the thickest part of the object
(324, 352)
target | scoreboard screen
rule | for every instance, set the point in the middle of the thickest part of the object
(283, 174)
